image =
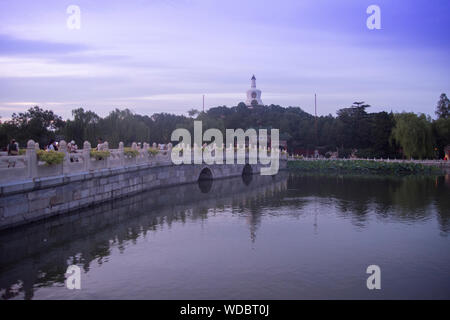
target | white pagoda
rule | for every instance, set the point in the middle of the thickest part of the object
(253, 95)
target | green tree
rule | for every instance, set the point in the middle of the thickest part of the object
(125, 126)
(443, 107)
(36, 123)
(193, 112)
(413, 134)
(354, 126)
(83, 127)
(381, 125)
(441, 130)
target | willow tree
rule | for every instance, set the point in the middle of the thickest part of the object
(413, 134)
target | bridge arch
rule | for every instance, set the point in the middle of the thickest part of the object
(205, 174)
(247, 170)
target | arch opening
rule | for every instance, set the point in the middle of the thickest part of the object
(247, 174)
(205, 175)
(247, 170)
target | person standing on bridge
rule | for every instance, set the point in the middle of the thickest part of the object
(13, 148)
(52, 146)
(99, 144)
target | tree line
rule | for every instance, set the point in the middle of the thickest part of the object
(377, 134)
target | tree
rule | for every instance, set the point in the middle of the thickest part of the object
(441, 131)
(413, 134)
(123, 125)
(370, 133)
(443, 107)
(354, 126)
(83, 127)
(37, 124)
(193, 112)
(381, 125)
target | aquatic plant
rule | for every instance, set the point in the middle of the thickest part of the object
(363, 166)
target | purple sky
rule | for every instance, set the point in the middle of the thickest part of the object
(162, 56)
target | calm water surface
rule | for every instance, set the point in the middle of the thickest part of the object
(288, 237)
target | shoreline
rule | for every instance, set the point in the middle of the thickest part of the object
(365, 167)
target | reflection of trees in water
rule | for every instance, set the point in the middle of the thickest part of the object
(442, 202)
(400, 198)
(38, 255)
(413, 199)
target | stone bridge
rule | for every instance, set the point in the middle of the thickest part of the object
(31, 190)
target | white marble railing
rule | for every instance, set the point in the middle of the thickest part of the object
(425, 161)
(442, 164)
(28, 166)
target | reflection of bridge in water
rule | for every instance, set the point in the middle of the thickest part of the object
(38, 254)
(87, 235)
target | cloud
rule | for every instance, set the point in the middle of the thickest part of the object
(10, 45)
(160, 56)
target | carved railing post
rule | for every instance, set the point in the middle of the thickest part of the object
(32, 159)
(155, 157)
(105, 147)
(65, 163)
(87, 156)
(108, 159)
(169, 152)
(121, 155)
(144, 152)
(135, 148)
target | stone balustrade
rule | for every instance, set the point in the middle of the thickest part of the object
(28, 166)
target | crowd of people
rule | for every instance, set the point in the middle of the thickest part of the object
(13, 147)
(53, 145)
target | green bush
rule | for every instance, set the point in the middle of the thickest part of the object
(365, 153)
(130, 153)
(99, 155)
(179, 150)
(50, 157)
(344, 152)
(22, 152)
(153, 151)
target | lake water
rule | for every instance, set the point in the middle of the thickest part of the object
(288, 237)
